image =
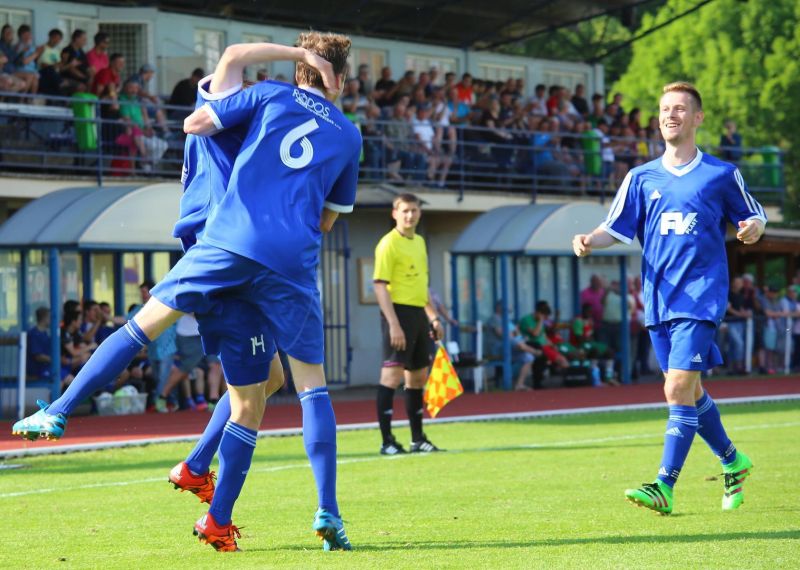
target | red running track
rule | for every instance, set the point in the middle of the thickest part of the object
(106, 429)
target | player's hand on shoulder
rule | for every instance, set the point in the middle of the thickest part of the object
(582, 244)
(325, 69)
(750, 231)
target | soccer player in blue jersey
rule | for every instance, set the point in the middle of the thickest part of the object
(678, 207)
(296, 172)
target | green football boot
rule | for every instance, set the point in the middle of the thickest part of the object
(735, 473)
(656, 496)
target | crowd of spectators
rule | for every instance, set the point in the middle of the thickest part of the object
(413, 128)
(173, 365)
(541, 343)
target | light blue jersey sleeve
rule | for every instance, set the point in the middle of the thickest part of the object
(236, 109)
(625, 213)
(739, 204)
(342, 195)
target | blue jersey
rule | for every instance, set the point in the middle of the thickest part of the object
(680, 217)
(207, 166)
(300, 154)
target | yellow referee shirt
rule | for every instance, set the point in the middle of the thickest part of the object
(403, 263)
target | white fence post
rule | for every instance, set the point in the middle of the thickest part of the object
(787, 347)
(478, 374)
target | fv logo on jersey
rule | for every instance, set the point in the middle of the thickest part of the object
(678, 223)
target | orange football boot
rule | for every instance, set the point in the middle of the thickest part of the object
(200, 485)
(222, 538)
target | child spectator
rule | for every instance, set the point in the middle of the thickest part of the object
(50, 64)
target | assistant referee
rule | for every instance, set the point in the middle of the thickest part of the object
(407, 322)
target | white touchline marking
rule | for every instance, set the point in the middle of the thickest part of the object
(304, 465)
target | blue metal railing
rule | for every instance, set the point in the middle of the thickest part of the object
(82, 136)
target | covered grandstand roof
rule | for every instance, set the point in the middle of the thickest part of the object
(537, 229)
(475, 24)
(129, 218)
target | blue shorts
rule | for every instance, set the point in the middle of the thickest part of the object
(685, 344)
(207, 277)
(230, 335)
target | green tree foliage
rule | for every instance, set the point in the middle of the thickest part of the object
(744, 57)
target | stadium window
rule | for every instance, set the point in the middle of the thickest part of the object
(250, 71)
(492, 72)
(131, 41)
(9, 292)
(103, 280)
(568, 79)
(69, 24)
(132, 277)
(160, 265)
(374, 59)
(15, 17)
(209, 44)
(418, 63)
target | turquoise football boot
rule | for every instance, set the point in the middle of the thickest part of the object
(41, 425)
(330, 530)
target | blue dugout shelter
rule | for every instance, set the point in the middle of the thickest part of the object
(114, 221)
(512, 254)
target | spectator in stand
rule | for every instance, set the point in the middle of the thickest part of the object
(433, 74)
(74, 352)
(593, 296)
(617, 103)
(75, 68)
(735, 318)
(537, 104)
(534, 329)
(109, 323)
(139, 136)
(445, 139)
(92, 320)
(190, 354)
(449, 81)
(606, 153)
(459, 111)
(730, 143)
(424, 83)
(553, 99)
(405, 87)
(184, 94)
(497, 135)
(793, 308)
(26, 55)
(465, 91)
(548, 159)
(425, 134)
(50, 64)
(108, 81)
(634, 119)
(364, 82)
(151, 101)
(372, 133)
(579, 101)
(399, 145)
(598, 112)
(353, 102)
(640, 336)
(754, 301)
(384, 88)
(38, 355)
(8, 82)
(611, 327)
(775, 329)
(261, 75)
(98, 55)
(522, 354)
(582, 337)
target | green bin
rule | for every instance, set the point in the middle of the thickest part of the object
(85, 121)
(772, 166)
(592, 159)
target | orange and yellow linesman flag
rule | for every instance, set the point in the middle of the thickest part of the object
(443, 384)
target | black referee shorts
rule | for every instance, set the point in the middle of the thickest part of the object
(419, 346)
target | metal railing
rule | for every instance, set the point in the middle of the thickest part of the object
(83, 136)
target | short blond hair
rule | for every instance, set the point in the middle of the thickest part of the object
(333, 47)
(685, 87)
(405, 198)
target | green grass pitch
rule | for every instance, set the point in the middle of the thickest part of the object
(545, 493)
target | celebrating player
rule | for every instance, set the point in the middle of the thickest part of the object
(262, 249)
(678, 206)
(407, 316)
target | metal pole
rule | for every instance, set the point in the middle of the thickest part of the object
(454, 292)
(576, 288)
(86, 275)
(506, 323)
(625, 336)
(535, 280)
(556, 299)
(515, 285)
(748, 345)
(119, 284)
(99, 121)
(24, 317)
(55, 320)
(787, 347)
(22, 372)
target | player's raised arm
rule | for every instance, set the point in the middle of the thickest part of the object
(230, 68)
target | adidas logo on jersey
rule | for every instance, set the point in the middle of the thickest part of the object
(674, 431)
(697, 359)
(655, 195)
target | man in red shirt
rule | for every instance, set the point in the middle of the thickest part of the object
(464, 90)
(98, 55)
(106, 83)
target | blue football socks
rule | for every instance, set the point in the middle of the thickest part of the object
(319, 437)
(710, 428)
(107, 362)
(235, 455)
(199, 459)
(681, 427)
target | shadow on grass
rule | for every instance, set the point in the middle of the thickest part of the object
(578, 541)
